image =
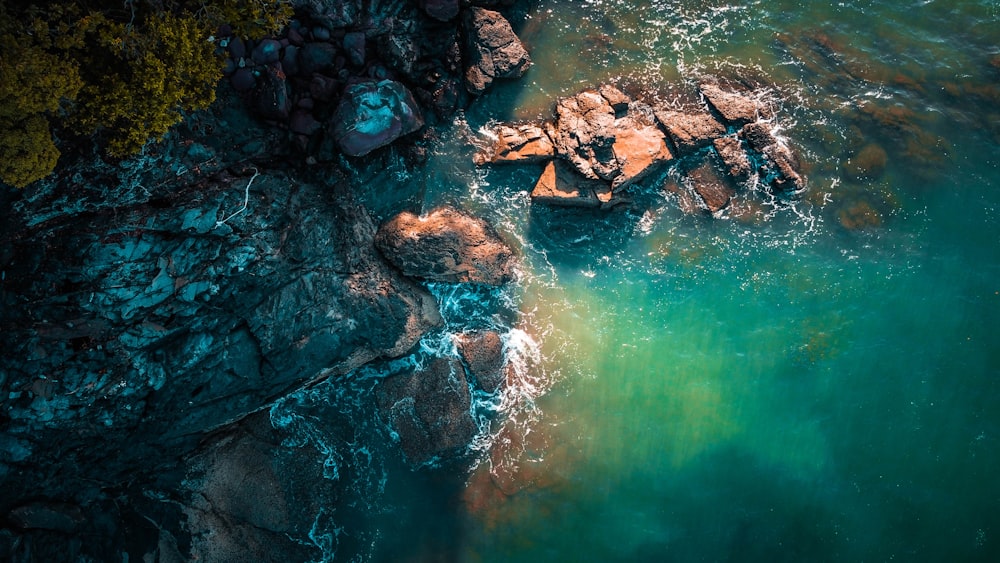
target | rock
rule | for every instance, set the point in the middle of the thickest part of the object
(583, 133)
(303, 123)
(561, 185)
(374, 114)
(317, 57)
(243, 80)
(711, 187)
(734, 157)
(620, 146)
(442, 10)
(517, 143)
(781, 164)
(290, 60)
(736, 108)
(429, 409)
(492, 50)
(270, 96)
(354, 46)
(446, 245)
(690, 129)
(482, 352)
(859, 215)
(639, 147)
(868, 164)
(323, 88)
(237, 49)
(43, 515)
(267, 51)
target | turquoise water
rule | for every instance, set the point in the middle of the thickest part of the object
(816, 380)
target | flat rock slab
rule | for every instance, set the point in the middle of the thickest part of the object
(561, 185)
(446, 245)
(639, 147)
(374, 114)
(711, 187)
(430, 410)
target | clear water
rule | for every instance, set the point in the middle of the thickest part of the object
(770, 388)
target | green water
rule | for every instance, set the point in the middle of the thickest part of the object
(778, 388)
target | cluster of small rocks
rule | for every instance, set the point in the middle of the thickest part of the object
(603, 141)
(356, 78)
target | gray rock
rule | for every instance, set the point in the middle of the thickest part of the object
(267, 51)
(446, 245)
(354, 46)
(317, 57)
(374, 114)
(492, 50)
(442, 10)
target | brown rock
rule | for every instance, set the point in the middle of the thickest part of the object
(711, 187)
(736, 108)
(446, 245)
(583, 133)
(734, 157)
(492, 49)
(517, 143)
(640, 148)
(561, 185)
(782, 164)
(690, 129)
(483, 354)
(430, 410)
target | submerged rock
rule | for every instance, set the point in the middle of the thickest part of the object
(429, 409)
(734, 157)
(782, 166)
(711, 187)
(374, 114)
(492, 50)
(446, 245)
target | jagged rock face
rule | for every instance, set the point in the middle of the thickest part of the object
(137, 329)
(690, 129)
(561, 185)
(430, 410)
(781, 165)
(446, 245)
(374, 114)
(526, 142)
(492, 50)
(736, 108)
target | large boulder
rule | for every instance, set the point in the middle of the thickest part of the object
(446, 245)
(429, 409)
(606, 135)
(442, 10)
(711, 187)
(374, 114)
(734, 157)
(492, 50)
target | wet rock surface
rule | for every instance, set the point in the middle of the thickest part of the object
(483, 354)
(605, 140)
(446, 245)
(373, 114)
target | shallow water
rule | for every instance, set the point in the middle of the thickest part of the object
(773, 387)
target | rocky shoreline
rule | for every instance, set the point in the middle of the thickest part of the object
(154, 309)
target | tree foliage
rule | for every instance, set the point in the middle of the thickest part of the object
(124, 72)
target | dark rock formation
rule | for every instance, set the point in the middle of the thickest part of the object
(429, 409)
(374, 114)
(446, 245)
(492, 50)
(443, 10)
(482, 353)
